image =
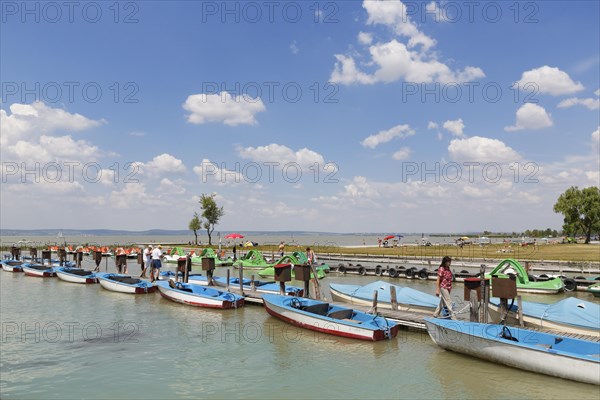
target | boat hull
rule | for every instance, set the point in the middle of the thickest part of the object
(481, 340)
(540, 323)
(326, 325)
(194, 299)
(67, 277)
(39, 273)
(119, 287)
(12, 266)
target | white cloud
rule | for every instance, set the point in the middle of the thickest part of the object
(402, 154)
(596, 139)
(398, 131)
(209, 171)
(432, 125)
(394, 60)
(346, 73)
(597, 92)
(483, 150)
(436, 11)
(163, 164)
(294, 47)
(52, 148)
(592, 104)
(277, 153)
(531, 116)
(36, 119)
(223, 108)
(549, 80)
(455, 127)
(365, 38)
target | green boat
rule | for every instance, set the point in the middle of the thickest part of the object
(594, 289)
(253, 259)
(303, 259)
(174, 254)
(510, 266)
(210, 253)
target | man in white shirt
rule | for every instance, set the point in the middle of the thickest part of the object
(156, 264)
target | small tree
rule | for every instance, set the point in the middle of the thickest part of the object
(211, 214)
(581, 210)
(195, 225)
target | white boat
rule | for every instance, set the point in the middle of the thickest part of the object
(534, 351)
(331, 319)
(75, 275)
(571, 315)
(38, 270)
(199, 296)
(125, 284)
(12, 265)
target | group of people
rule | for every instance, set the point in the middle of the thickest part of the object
(152, 262)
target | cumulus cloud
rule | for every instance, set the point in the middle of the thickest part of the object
(36, 119)
(592, 104)
(394, 60)
(549, 80)
(163, 164)
(398, 131)
(455, 127)
(402, 154)
(432, 125)
(224, 108)
(277, 153)
(211, 172)
(531, 116)
(481, 149)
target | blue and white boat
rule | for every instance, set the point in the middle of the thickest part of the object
(408, 299)
(571, 315)
(199, 296)
(334, 320)
(75, 275)
(125, 283)
(38, 270)
(12, 265)
(534, 351)
(260, 286)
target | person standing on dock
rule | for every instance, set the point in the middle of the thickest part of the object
(281, 249)
(156, 264)
(443, 287)
(310, 255)
(147, 261)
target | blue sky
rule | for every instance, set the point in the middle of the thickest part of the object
(499, 104)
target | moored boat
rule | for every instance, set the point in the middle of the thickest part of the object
(571, 315)
(334, 320)
(38, 270)
(524, 284)
(12, 265)
(260, 286)
(594, 289)
(75, 275)
(199, 296)
(253, 259)
(125, 284)
(408, 299)
(526, 349)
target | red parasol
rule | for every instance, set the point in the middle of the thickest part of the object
(389, 237)
(234, 236)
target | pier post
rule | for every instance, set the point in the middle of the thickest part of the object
(316, 282)
(474, 313)
(252, 283)
(374, 305)
(393, 297)
(520, 310)
(227, 285)
(241, 276)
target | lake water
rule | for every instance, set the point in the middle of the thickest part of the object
(68, 341)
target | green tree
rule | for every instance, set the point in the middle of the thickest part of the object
(195, 225)
(211, 214)
(581, 211)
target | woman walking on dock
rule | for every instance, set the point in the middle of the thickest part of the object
(443, 287)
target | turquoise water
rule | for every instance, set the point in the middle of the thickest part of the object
(63, 341)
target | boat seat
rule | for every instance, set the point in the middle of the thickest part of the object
(126, 279)
(319, 309)
(79, 272)
(341, 314)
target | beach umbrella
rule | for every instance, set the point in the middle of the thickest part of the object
(234, 236)
(389, 237)
(464, 238)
